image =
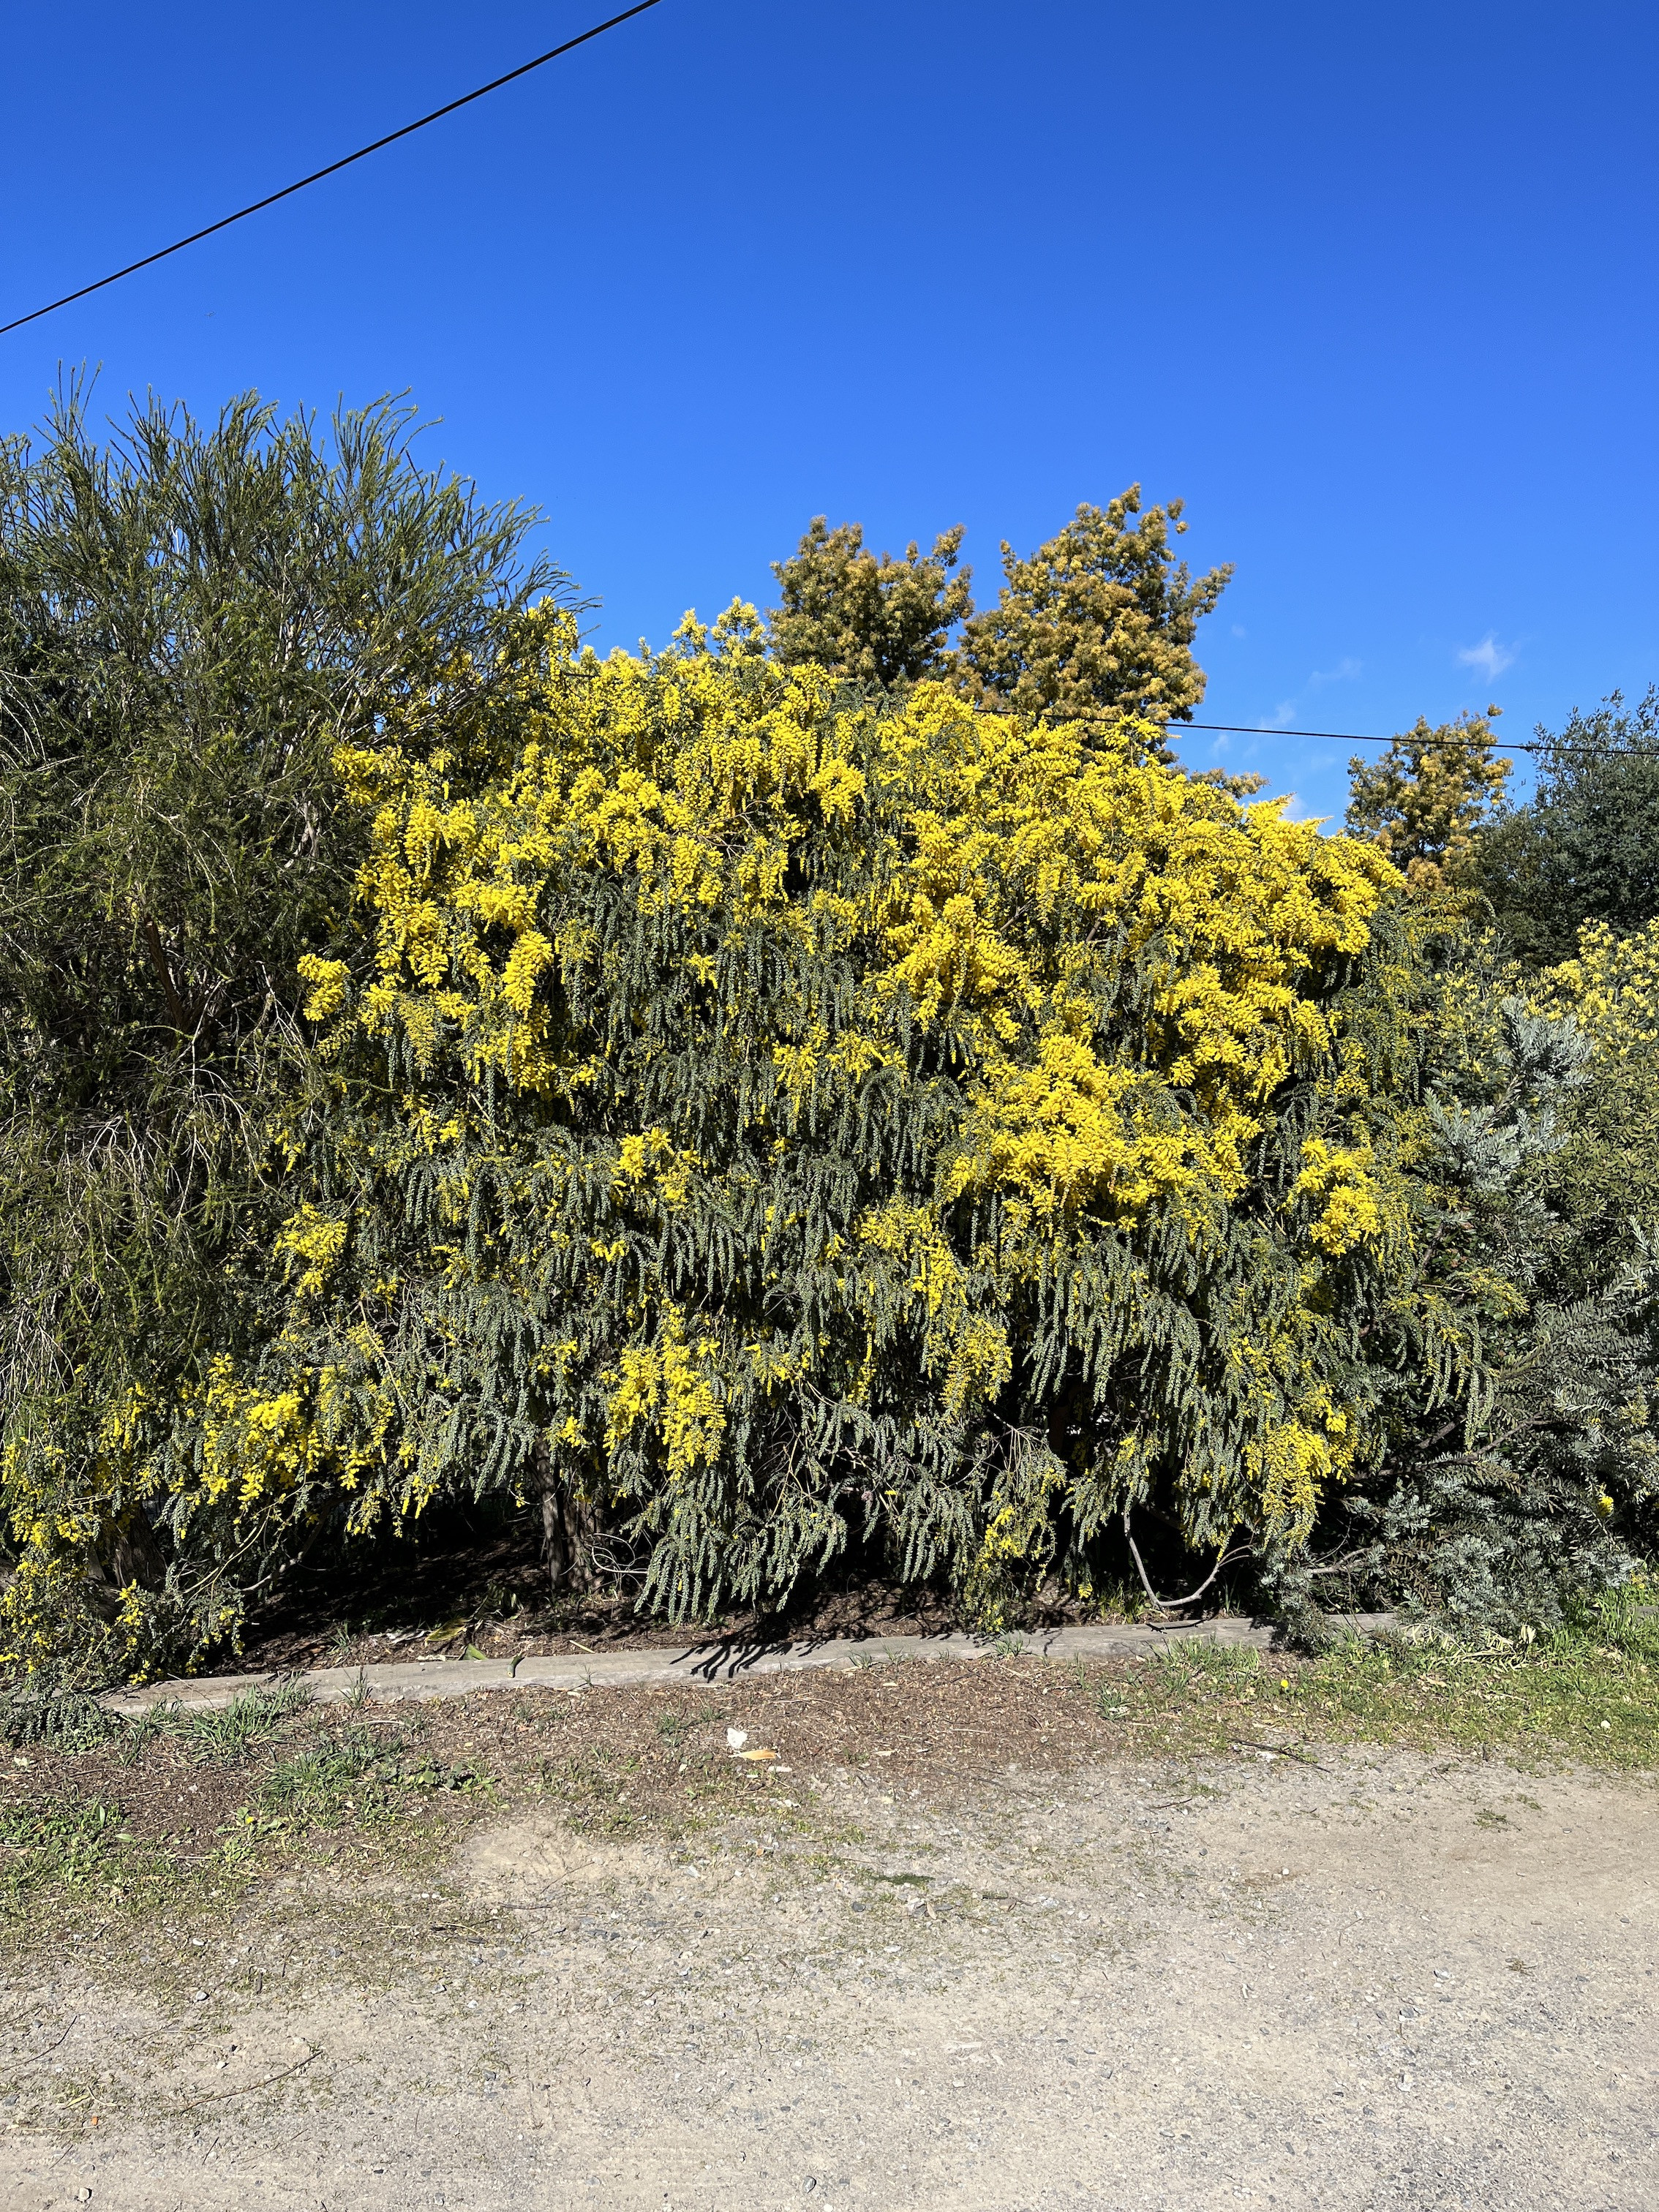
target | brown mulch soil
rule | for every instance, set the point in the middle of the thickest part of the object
(631, 1758)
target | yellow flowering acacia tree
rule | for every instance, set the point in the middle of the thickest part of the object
(1606, 1175)
(773, 1119)
(1429, 798)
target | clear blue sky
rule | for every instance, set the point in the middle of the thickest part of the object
(1372, 288)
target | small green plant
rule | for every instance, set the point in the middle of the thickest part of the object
(67, 1719)
(61, 1844)
(501, 1600)
(359, 1772)
(255, 1718)
(324, 1780)
(144, 1729)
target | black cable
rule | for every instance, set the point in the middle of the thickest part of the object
(345, 162)
(1406, 738)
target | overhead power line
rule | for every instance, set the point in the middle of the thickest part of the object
(345, 162)
(1408, 738)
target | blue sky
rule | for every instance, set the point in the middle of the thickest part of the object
(1372, 288)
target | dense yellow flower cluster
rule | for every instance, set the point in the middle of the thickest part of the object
(1022, 859)
(1612, 987)
(674, 1386)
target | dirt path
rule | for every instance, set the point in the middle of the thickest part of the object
(1381, 1983)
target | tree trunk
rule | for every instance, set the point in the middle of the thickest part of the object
(127, 1553)
(135, 1556)
(569, 1526)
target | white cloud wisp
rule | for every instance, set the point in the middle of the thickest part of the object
(1489, 657)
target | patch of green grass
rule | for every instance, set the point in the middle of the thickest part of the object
(63, 1843)
(591, 1791)
(322, 1781)
(66, 1860)
(610, 1793)
(71, 1872)
(246, 1724)
(139, 1732)
(1589, 1691)
(676, 1721)
(361, 1773)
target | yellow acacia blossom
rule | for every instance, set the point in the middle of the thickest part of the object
(1341, 1180)
(1612, 986)
(311, 1243)
(673, 1386)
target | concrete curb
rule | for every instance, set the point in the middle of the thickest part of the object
(702, 1663)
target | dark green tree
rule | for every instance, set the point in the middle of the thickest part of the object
(1586, 846)
(1519, 1369)
(874, 621)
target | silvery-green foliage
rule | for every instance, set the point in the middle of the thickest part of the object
(1529, 1471)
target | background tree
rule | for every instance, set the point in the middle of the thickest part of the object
(1518, 1386)
(1604, 1177)
(1585, 848)
(1100, 620)
(1427, 800)
(192, 619)
(875, 621)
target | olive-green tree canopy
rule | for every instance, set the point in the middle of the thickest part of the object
(192, 619)
(874, 621)
(1585, 846)
(1101, 619)
(1429, 800)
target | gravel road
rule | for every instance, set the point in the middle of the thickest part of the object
(1380, 1982)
